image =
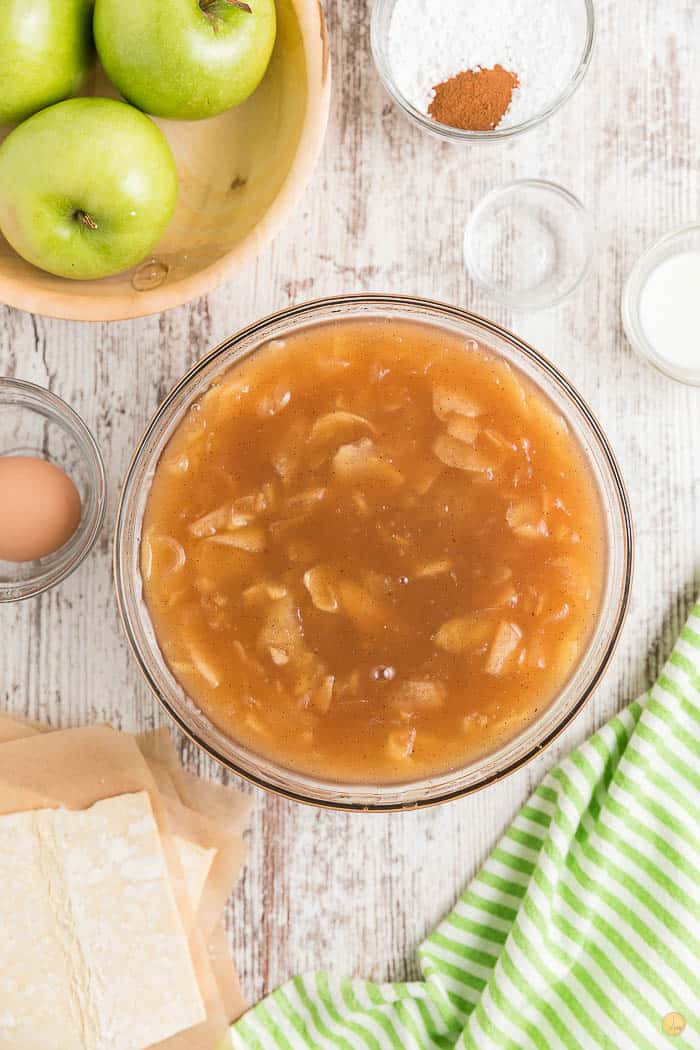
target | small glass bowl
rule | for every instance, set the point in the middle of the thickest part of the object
(529, 243)
(685, 239)
(382, 11)
(287, 781)
(35, 422)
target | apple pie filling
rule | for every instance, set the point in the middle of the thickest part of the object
(373, 552)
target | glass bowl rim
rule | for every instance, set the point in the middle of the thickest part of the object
(66, 416)
(310, 308)
(451, 134)
(631, 297)
(523, 301)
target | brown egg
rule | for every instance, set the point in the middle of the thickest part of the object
(39, 508)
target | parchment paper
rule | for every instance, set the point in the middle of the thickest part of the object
(226, 814)
(206, 814)
(76, 768)
(223, 817)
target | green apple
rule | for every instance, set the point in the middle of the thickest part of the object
(87, 187)
(185, 59)
(45, 50)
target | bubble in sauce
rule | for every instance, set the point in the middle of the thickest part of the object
(39, 508)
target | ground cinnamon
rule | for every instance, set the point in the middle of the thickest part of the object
(475, 100)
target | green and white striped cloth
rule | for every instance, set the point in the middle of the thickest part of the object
(581, 931)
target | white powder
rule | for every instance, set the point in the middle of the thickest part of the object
(669, 310)
(540, 41)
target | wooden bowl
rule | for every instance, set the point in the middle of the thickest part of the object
(241, 175)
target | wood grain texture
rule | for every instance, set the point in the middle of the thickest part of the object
(386, 211)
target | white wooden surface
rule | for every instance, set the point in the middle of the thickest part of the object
(386, 211)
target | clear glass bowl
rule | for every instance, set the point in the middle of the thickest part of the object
(289, 782)
(35, 422)
(529, 243)
(685, 239)
(382, 11)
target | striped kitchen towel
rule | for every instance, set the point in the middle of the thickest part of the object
(581, 931)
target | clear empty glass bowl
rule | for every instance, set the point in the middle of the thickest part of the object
(35, 422)
(529, 243)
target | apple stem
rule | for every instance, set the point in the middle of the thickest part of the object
(240, 4)
(86, 220)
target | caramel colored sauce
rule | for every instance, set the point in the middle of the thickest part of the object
(372, 552)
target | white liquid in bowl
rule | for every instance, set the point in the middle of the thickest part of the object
(669, 309)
